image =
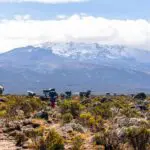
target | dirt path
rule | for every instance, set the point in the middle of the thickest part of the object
(5, 142)
(88, 143)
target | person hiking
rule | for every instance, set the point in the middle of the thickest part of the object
(1, 90)
(53, 96)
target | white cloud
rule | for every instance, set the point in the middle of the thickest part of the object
(24, 31)
(43, 1)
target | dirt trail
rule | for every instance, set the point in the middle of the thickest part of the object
(88, 144)
(5, 143)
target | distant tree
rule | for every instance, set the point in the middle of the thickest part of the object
(140, 96)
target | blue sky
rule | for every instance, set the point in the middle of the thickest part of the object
(29, 22)
(119, 9)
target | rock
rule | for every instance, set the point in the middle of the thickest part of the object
(121, 133)
(27, 122)
(25, 146)
(50, 120)
(13, 133)
(78, 127)
(138, 122)
(35, 125)
(67, 128)
(122, 121)
(96, 104)
(70, 127)
(28, 131)
(42, 115)
(20, 138)
(6, 130)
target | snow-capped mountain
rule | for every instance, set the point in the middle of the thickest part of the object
(75, 66)
(88, 51)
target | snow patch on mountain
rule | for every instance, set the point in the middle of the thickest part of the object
(88, 50)
(85, 51)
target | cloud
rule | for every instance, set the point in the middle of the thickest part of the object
(23, 31)
(43, 1)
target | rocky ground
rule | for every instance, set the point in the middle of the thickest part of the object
(98, 123)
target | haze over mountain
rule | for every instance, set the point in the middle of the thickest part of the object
(75, 66)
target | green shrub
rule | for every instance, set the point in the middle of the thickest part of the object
(77, 143)
(27, 105)
(71, 106)
(138, 137)
(84, 117)
(2, 113)
(130, 112)
(99, 139)
(103, 110)
(54, 141)
(95, 122)
(67, 117)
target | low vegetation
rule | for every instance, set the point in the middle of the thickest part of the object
(98, 122)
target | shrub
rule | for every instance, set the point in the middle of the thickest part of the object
(95, 122)
(77, 143)
(27, 105)
(141, 96)
(65, 106)
(2, 113)
(67, 117)
(130, 112)
(99, 139)
(71, 106)
(138, 137)
(35, 132)
(103, 110)
(85, 117)
(54, 141)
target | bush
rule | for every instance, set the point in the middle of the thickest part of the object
(138, 137)
(99, 139)
(130, 112)
(103, 110)
(67, 117)
(54, 141)
(27, 105)
(2, 113)
(85, 117)
(71, 106)
(77, 143)
(140, 96)
(95, 122)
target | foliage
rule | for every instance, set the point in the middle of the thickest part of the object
(71, 106)
(103, 110)
(99, 139)
(77, 143)
(67, 117)
(27, 105)
(141, 96)
(54, 141)
(95, 122)
(138, 137)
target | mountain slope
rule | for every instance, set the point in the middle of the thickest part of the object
(75, 66)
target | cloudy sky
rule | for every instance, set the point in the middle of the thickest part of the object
(26, 22)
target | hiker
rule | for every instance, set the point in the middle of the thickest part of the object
(53, 96)
(1, 90)
(68, 94)
(85, 94)
(31, 94)
(62, 96)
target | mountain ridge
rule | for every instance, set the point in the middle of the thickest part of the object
(37, 67)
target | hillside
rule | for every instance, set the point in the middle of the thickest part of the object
(76, 123)
(75, 66)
